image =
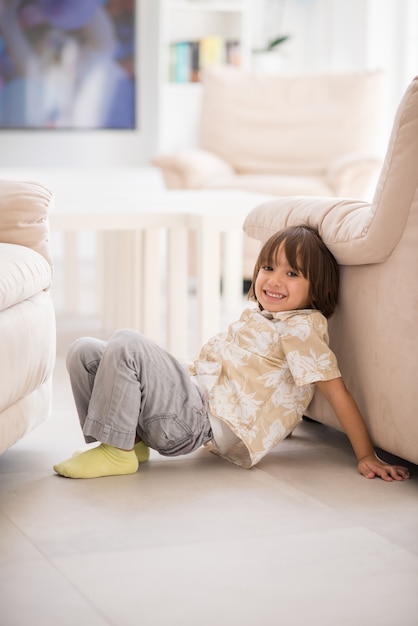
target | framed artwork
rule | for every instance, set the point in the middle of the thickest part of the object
(67, 64)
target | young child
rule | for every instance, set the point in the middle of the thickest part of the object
(247, 390)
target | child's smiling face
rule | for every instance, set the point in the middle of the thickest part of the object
(279, 287)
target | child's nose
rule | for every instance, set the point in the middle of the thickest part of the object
(276, 279)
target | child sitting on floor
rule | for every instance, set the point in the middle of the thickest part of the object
(247, 390)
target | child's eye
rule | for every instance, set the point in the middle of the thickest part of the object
(267, 268)
(292, 274)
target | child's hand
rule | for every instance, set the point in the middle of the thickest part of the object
(371, 466)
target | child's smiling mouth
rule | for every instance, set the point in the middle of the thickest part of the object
(272, 294)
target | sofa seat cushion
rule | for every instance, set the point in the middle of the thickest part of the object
(27, 332)
(23, 273)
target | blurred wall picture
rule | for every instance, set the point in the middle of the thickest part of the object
(67, 64)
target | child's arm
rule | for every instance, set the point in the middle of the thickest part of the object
(353, 424)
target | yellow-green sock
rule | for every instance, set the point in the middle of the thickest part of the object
(103, 460)
(142, 451)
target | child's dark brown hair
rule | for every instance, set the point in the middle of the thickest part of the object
(306, 253)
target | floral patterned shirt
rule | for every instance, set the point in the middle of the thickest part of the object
(259, 377)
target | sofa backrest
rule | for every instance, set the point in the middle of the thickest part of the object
(359, 232)
(395, 204)
(272, 124)
(24, 208)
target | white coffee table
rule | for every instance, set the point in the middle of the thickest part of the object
(143, 277)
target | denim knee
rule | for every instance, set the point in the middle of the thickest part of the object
(124, 340)
(81, 351)
(73, 353)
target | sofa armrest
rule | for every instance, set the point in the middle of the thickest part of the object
(23, 274)
(191, 169)
(354, 175)
(347, 226)
(24, 208)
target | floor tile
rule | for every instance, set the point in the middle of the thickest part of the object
(14, 545)
(36, 593)
(165, 503)
(389, 508)
(344, 577)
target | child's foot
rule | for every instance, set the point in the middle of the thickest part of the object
(103, 460)
(142, 451)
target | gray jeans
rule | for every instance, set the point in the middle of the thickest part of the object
(130, 386)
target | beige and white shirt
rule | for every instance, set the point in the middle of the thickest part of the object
(258, 377)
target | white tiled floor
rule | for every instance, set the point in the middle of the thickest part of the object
(194, 541)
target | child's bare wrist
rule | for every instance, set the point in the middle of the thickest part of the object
(367, 457)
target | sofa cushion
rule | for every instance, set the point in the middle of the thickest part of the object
(24, 208)
(23, 274)
(249, 119)
(27, 333)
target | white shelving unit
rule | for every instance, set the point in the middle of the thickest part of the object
(191, 20)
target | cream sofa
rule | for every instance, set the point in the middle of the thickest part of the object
(282, 135)
(27, 320)
(374, 330)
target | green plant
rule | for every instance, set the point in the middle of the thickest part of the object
(273, 44)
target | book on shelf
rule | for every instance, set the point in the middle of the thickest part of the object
(211, 51)
(233, 53)
(180, 62)
(187, 58)
(195, 61)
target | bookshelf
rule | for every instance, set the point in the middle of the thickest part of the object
(195, 33)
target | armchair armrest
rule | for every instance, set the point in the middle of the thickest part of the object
(191, 169)
(348, 227)
(354, 175)
(24, 208)
(23, 274)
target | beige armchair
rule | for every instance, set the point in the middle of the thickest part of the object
(374, 330)
(27, 319)
(282, 135)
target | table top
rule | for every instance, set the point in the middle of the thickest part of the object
(125, 190)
